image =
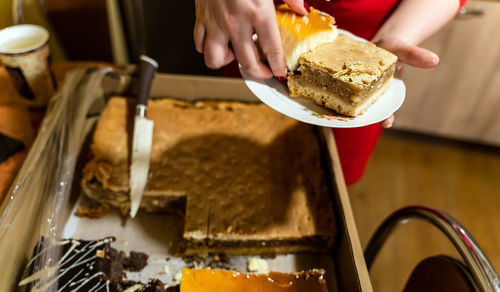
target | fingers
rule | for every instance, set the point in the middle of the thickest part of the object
(297, 6)
(214, 44)
(248, 57)
(270, 43)
(387, 123)
(418, 57)
(216, 49)
(199, 36)
(220, 23)
(411, 54)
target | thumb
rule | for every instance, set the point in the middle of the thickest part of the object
(297, 6)
(410, 54)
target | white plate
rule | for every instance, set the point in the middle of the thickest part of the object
(275, 95)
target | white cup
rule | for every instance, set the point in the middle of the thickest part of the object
(24, 51)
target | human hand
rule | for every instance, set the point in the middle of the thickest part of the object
(407, 54)
(224, 29)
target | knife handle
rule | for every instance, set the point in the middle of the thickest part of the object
(147, 69)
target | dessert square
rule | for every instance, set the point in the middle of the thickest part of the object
(345, 75)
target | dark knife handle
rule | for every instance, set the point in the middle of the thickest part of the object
(8, 146)
(147, 69)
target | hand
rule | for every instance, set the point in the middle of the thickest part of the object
(224, 29)
(407, 54)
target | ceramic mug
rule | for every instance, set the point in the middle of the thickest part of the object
(24, 51)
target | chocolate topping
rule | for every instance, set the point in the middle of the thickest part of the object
(86, 266)
(137, 261)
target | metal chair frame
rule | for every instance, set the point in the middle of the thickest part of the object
(484, 275)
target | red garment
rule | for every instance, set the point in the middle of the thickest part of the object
(363, 18)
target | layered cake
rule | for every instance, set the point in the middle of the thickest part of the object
(300, 34)
(335, 70)
(85, 265)
(346, 75)
(207, 280)
(248, 179)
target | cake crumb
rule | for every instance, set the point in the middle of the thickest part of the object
(257, 265)
(99, 253)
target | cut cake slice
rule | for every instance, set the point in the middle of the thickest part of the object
(346, 75)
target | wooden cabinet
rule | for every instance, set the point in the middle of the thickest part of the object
(460, 98)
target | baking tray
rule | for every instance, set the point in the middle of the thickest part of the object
(42, 199)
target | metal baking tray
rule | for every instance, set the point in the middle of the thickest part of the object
(45, 193)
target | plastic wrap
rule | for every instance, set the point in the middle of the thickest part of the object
(39, 202)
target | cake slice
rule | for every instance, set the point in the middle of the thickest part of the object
(346, 75)
(299, 34)
(207, 280)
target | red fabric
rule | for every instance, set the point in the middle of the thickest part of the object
(363, 18)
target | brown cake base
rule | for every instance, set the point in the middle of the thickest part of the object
(346, 75)
(248, 179)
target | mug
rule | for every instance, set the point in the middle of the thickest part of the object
(24, 51)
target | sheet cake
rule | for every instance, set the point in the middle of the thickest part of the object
(248, 179)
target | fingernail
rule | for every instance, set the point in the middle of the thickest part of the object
(399, 67)
(388, 126)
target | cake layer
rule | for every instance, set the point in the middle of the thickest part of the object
(244, 175)
(300, 34)
(330, 100)
(242, 245)
(201, 280)
(346, 75)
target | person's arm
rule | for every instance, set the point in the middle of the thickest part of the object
(224, 28)
(410, 24)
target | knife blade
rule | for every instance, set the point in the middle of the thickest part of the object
(142, 140)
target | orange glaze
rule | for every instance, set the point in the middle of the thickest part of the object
(316, 21)
(207, 280)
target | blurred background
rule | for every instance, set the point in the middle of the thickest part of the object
(443, 151)
(103, 30)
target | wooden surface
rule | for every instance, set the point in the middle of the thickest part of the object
(461, 97)
(460, 179)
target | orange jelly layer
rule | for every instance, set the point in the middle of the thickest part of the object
(314, 22)
(205, 280)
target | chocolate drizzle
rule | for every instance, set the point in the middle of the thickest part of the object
(80, 267)
(90, 266)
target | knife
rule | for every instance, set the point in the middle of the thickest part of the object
(143, 135)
